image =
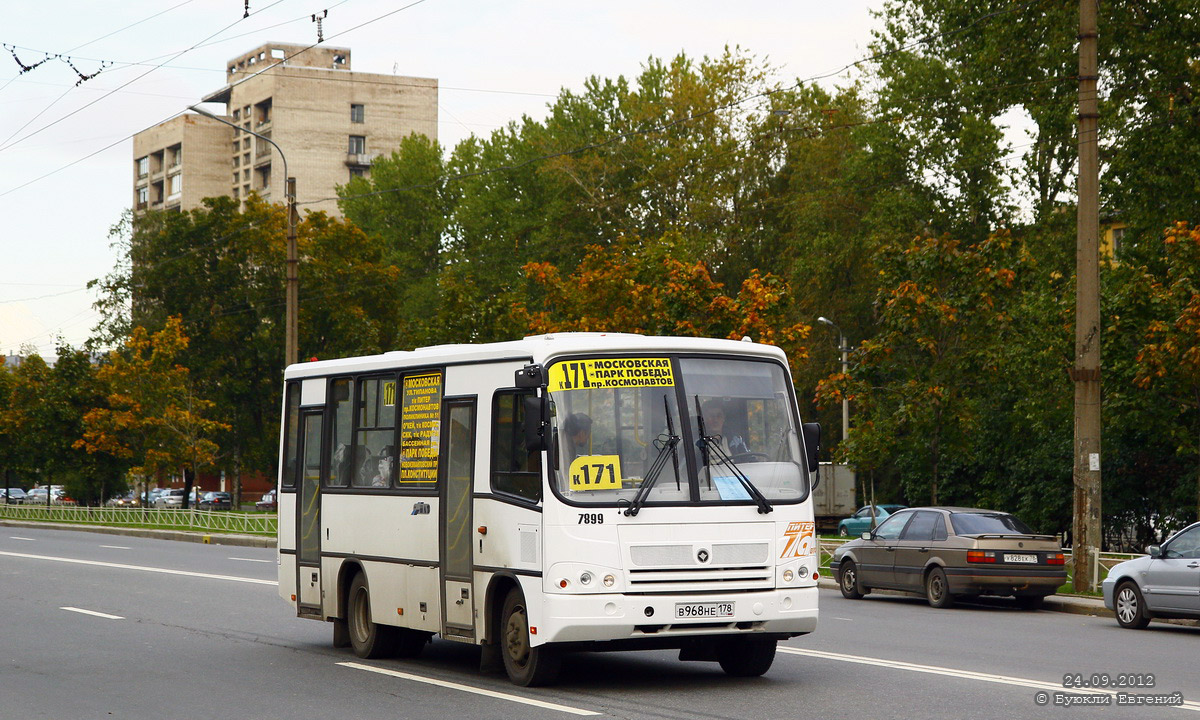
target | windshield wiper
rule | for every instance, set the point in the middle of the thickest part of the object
(666, 445)
(711, 445)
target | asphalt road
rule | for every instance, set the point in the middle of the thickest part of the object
(106, 626)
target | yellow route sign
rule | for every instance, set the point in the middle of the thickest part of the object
(595, 472)
(603, 373)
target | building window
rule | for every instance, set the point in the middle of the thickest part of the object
(357, 172)
(237, 145)
(176, 155)
(356, 113)
(174, 185)
(246, 159)
(237, 114)
(264, 177)
(143, 196)
(236, 194)
(277, 53)
(358, 145)
(262, 112)
(143, 166)
(236, 175)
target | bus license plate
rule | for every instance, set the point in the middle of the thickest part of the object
(704, 610)
(1020, 558)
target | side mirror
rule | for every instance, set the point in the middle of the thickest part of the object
(530, 376)
(812, 447)
(1154, 551)
(536, 410)
(867, 535)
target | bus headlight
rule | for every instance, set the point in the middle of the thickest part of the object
(609, 581)
(787, 575)
(585, 578)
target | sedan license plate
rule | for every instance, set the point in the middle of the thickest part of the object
(1020, 558)
(704, 610)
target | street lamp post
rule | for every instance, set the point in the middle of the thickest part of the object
(845, 350)
(293, 256)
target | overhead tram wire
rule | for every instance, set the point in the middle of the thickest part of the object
(688, 118)
(139, 77)
(716, 109)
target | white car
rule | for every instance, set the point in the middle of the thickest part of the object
(1163, 584)
(173, 498)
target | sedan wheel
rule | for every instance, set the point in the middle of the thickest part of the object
(848, 581)
(1130, 607)
(937, 590)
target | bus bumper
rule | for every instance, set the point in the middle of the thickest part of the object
(585, 618)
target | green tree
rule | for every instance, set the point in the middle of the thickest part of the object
(944, 311)
(222, 271)
(154, 419)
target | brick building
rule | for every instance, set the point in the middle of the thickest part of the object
(330, 123)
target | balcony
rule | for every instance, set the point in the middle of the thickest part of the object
(361, 159)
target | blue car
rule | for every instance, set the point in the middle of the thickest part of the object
(860, 522)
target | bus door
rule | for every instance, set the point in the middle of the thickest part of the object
(455, 491)
(308, 516)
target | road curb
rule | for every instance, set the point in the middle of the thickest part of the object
(1054, 603)
(178, 535)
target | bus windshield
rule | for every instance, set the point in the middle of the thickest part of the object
(698, 429)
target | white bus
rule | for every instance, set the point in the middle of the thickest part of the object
(563, 492)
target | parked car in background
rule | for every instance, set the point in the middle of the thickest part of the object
(268, 503)
(952, 552)
(860, 521)
(36, 496)
(173, 498)
(131, 500)
(216, 500)
(153, 495)
(1163, 584)
(12, 496)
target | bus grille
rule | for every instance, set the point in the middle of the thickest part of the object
(670, 568)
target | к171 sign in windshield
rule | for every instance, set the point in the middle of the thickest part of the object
(609, 373)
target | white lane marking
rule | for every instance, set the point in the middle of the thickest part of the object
(164, 571)
(969, 675)
(251, 560)
(92, 612)
(468, 688)
(14, 537)
(835, 617)
(116, 547)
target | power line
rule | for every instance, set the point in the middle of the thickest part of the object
(139, 77)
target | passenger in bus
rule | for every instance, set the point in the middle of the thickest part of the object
(342, 464)
(578, 429)
(383, 467)
(714, 426)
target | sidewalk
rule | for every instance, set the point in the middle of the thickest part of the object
(180, 535)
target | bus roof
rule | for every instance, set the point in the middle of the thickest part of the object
(536, 348)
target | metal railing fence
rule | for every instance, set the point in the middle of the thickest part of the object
(217, 521)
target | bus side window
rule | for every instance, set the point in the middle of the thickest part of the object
(515, 470)
(339, 436)
(291, 461)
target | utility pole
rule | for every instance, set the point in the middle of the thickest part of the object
(1086, 370)
(293, 277)
(293, 256)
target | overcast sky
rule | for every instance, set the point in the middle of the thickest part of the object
(494, 61)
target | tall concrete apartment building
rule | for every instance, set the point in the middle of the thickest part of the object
(329, 122)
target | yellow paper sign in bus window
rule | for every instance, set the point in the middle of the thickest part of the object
(604, 373)
(595, 472)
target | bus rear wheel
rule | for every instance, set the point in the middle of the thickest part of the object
(746, 656)
(526, 665)
(368, 639)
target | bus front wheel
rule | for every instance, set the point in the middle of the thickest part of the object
(526, 665)
(368, 639)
